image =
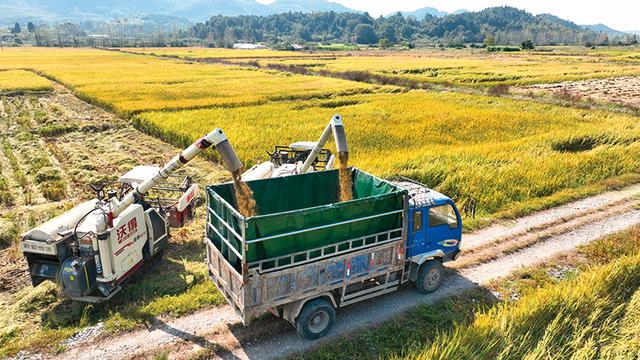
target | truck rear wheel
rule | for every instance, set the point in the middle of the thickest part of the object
(430, 276)
(316, 319)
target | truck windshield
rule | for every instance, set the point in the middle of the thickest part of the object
(443, 215)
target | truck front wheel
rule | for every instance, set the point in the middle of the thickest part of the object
(430, 276)
(316, 319)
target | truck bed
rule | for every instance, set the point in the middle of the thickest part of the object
(304, 242)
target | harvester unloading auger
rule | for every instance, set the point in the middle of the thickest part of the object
(305, 156)
(91, 249)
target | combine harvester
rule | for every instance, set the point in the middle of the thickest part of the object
(90, 250)
(307, 253)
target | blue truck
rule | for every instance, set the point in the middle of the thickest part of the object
(308, 254)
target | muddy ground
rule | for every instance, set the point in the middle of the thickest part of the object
(623, 90)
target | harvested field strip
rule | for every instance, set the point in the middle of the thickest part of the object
(35, 318)
(6, 197)
(622, 90)
(28, 155)
(18, 173)
(496, 151)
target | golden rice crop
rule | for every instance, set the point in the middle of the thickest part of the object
(595, 316)
(477, 70)
(20, 80)
(503, 153)
(131, 83)
(218, 53)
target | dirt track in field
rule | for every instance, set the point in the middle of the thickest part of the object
(622, 90)
(219, 331)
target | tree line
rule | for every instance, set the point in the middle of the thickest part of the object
(492, 27)
(504, 25)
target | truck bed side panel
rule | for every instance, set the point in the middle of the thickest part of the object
(264, 291)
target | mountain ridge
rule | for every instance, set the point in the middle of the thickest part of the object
(420, 13)
(194, 10)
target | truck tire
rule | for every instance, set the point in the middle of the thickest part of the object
(315, 319)
(430, 276)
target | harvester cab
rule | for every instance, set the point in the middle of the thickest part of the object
(302, 157)
(90, 250)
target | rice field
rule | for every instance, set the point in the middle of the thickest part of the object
(19, 80)
(594, 316)
(129, 83)
(505, 154)
(509, 156)
(476, 71)
(218, 53)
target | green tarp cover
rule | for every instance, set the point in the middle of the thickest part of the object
(292, 203)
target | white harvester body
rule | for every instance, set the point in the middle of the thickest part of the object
(91, 249)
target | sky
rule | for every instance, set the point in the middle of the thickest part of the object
(619, 14)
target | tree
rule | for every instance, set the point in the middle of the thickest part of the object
(388, 31)
(365, 34)
(490, 40)
(384, 43)
(527, 45)
(16, 29)
(31, 27)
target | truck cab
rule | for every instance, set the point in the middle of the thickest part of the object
(434, 233)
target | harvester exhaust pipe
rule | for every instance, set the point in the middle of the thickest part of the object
(217, 138)
(336, 127)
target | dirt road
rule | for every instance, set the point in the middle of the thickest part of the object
(219, 328)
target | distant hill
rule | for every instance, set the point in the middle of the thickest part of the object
(194, 10)
(306, 6)
(508, 25)
(601, 28)
(422, 12)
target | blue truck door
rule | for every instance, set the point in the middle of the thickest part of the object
(417, 237)
(443, 228)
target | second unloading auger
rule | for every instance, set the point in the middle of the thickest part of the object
(91, 249)
(304, 156)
